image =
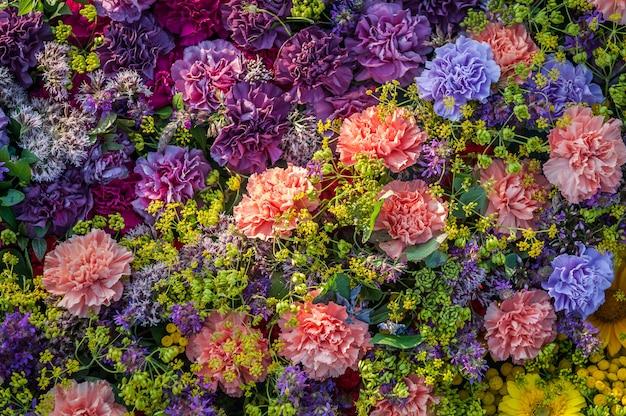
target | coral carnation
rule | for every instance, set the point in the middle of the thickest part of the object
(416, 404)
(93, 398)
(610, 8)
(86, 270)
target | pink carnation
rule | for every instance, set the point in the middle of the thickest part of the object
(520, 326)
(416, 404)
(511, 45)
(93, 398)
(515, 197)
(230, 352)
(274, 197)
(397, 140)
(611, 7)
(324, 342)
(586, 155)
(86, 270)
(410, 216)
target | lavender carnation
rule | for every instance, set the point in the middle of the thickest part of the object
(313, 65)
(445, 14)
(259, 120)
(135, 45)
(192, 20)
(122, 10)
(255, 24)
(460, 72)
(21, 38)
(578, 282)
(391, 44)
(108, 161)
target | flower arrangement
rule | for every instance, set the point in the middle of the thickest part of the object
(312, 207)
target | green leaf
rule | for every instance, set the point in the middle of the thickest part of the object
(398, 341)
(12, 197)
(104, 124)
(39, 247)
(199, 134)
(377, 207)
(164, 112)
(4, 154)
(435, 259)
(379, 315)
(177, 102)
(278, 286)
(421, 251)
(8, 215)
(20, 170)
(370, 292)
(340, 284)
(475, 194)
(25, 7)
(28, 157)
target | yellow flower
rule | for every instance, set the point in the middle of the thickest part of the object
(610, 318)
(530, 397)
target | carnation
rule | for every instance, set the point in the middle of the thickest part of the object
(122, 10)
(325, 341)
(586, 155)
(230, 353)
(445, 14)
(415, 404)
(609, 8)
(104, 164)
(391, 44)
(354, 100)
(410, 215)
(578, 282)
(258, 115)
(94, 398)
(260, 28)
(116, 197)
(192, 20)
(396, 139)
(520, 326)
(460, 72)
(86, 271)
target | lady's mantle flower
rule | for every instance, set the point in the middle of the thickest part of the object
(578, 282)
(94, 398)
(86, 270)
(460, 72)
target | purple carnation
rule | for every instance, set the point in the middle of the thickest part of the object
(259, 28)
(122, 10)
(134, 45)
(445, 14)
(21, 38)
(355, 100)
(59, 204)
(390, 43)
(108, 161)
(314, 65)
(460, 72)
(206, 72)
(259, 120)
(193, 20)
(577, 283)
(171, 176)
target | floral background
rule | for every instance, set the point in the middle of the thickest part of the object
(312, 207)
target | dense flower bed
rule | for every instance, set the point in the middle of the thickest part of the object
(312, 207)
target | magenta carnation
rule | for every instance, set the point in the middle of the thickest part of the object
(122, 10)
(193, 20)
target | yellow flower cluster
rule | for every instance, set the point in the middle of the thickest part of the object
(608, 378)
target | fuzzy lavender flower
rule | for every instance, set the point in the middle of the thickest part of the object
(301, 140)
(256, 24)
(21, 37)
(444, 14)
(468, 354)
(434, 157)
(255, 295)
(138, 305)
(54, 64)
(109, 160)
(192, 20)
(134, 45)
(186, 318)
(584, 334)
(258, 113)
(12, 95)
(391, 44)
(310, 397)
(19, 346)
(122, 10)
(186, 403)
(313, 65)
(4, 122)
(460, 72)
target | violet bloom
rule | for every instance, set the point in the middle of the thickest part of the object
(255, 24)
(192, 20)
(460, 72)
(171, 176)
(259, 119)
(134, 45)
(4, 122)
(108, 161)
(206, 72)
(578, 282)
(390, 43)
(116, 197)
(21, 38)
(354, 100)
(122, 10)
(445, 14)
(313, 65)
(19, 346)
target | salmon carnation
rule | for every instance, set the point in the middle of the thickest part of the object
(93, 398)
(275, 198)
(511, 45)
(610, 8)
(416, 404)
(324, 341)
(586, 155)
(230, 353)
(397, 140)
(410, 216)
(86, 270)
(520, 326)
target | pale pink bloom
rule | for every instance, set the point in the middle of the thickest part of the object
(93, 398)
(274, 197)
(586, 156)
(396, 139)
(324, 342)
(611, 7)
(410, 216)
(230, 352)
(511, 45)
(520, 326)
(86, 270)
(515, 197)
(416, 404)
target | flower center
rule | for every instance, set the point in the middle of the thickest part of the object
(541, 410)
(612, 309)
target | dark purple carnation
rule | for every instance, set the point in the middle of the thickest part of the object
(259, 119)
(206, 72)
(59, 204)
(192, 20)
(255, 24)
(108, 161)
(122, 10)
(134, 45)
(352, 101)
(390, 43)
(116, 198)
(314, 65)
(446, 14)
(21, 38)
